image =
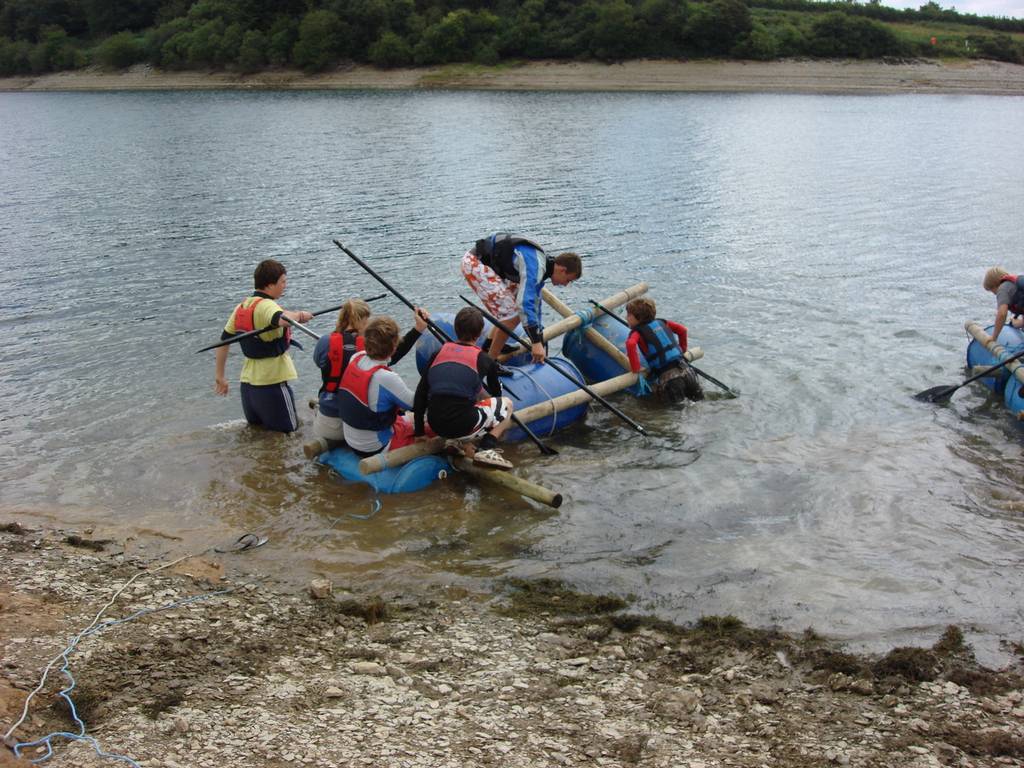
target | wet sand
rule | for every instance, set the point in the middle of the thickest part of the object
(792, 76)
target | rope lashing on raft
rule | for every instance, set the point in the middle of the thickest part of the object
(547, 396)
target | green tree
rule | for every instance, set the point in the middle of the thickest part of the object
(319, 40)
(615, 33)
(390, 50)
(204, 46)
(105, 17)
(715, 28)
(455, 37)
(759, 43)
(54, 52)
(281, 39)
(663, 26)
(119, 51)
(842, 35)
(14, 56)
(252, 54)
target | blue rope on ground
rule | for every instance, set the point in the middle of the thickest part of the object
(65, 670)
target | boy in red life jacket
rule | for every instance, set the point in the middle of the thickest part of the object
(267, 398)
(373, 399)
(652, 337)
(449, 394)
(1009, 291)
(332, 355)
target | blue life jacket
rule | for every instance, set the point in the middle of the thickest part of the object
(354, 398)
(255, 347)
(454, 371)
(663, 350)
(498, 253)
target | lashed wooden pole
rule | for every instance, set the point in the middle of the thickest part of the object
(400, 456)
(510, 481)
(572, 321)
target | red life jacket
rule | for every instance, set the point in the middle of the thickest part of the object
(1016, 304)
(454, 371)
(254, 346)
(354, 398)
(339, 353)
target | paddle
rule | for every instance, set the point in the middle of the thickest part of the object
(512, 335)
(441, 336)
(239, 337)
(686, 362)
(942, 394)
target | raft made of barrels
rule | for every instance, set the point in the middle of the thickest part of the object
(413, 476)
(978, 355)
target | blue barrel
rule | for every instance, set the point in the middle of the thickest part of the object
(596, 364)
(534, 383)
(427, 345)
(1011, 339)
(1013, 395)
(414, 476)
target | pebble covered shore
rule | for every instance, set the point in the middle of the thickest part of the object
(533, 675)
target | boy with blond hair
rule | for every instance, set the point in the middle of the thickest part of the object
(1009, 291)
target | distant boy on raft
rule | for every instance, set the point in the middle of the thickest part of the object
(662, 343)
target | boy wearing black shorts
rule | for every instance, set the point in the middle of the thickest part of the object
(451, 395)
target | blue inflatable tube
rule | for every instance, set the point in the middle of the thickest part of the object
(414, 476)
(596, 364)
(1012, 340)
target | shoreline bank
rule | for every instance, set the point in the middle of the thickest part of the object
(208, 670)
(979, 77)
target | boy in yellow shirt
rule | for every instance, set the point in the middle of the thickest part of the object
(267, 398)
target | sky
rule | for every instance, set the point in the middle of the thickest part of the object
(1014, 9)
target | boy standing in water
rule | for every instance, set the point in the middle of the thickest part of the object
(508, 272)
(669, 376)
(267, 398)
(449, 394)
(1009, 293)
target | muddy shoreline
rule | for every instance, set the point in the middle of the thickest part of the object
(788, 76)
(213, 670)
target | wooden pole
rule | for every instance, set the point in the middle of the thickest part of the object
(570, 399)
(995, 348)
(571, 320)
(592, 334)
(509, 481)
(400, 456)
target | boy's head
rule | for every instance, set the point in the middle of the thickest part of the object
(354, 315)
(993, 277)
(469, 324)
(568, 267)
(269, 277)
(381, 337)
(641, 311)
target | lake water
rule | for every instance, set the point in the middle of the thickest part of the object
(823, 250)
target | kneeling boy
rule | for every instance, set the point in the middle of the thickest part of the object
(669, 375)
(449, 394)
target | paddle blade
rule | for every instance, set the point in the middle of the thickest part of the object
(936, 394)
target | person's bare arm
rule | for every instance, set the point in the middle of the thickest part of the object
(220, 384)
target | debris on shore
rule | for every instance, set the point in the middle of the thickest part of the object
(218, 673)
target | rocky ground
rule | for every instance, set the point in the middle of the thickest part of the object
(786, 76)
(252, 674)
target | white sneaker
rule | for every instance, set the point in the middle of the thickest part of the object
(491, 458)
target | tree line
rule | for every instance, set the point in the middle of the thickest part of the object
(38, 36)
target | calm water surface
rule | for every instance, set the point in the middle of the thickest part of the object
(823, 250)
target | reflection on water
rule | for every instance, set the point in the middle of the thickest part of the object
(824, 251)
